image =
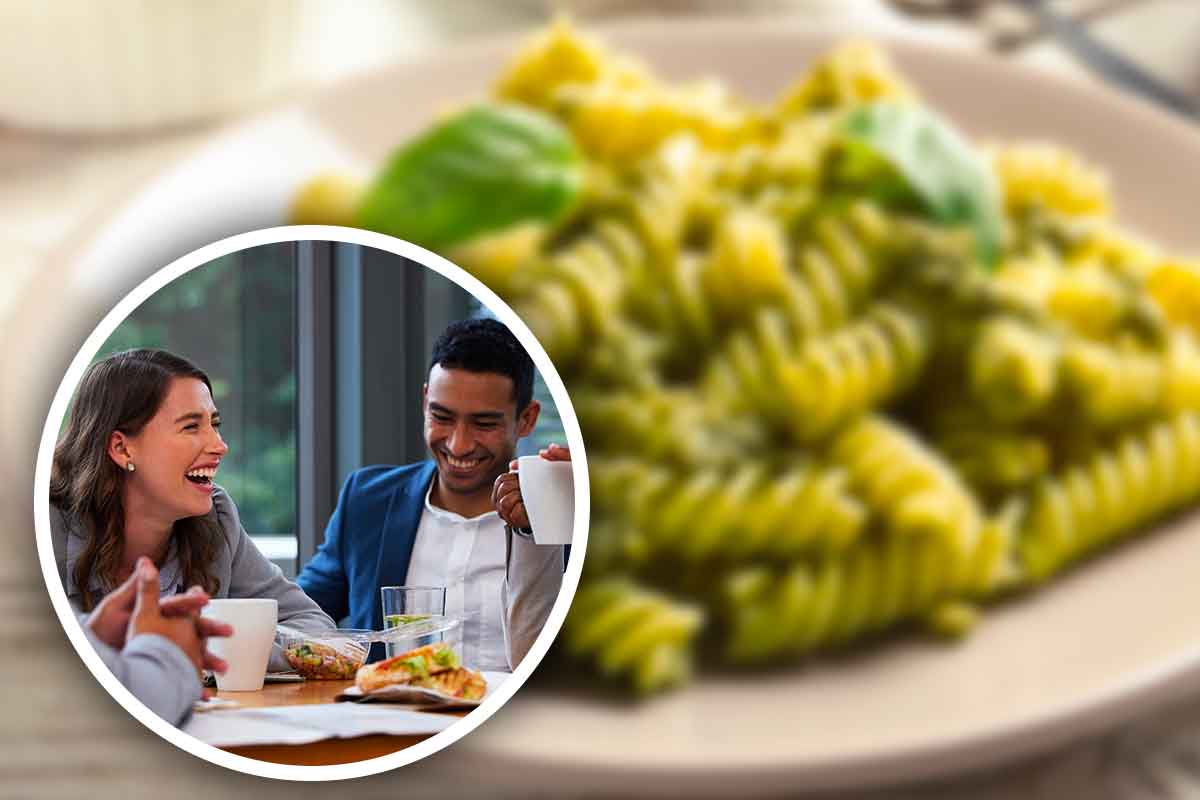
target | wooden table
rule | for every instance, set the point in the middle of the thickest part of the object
(326, 751)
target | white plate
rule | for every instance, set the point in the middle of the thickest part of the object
(426, 698)
(1118, 636)
(414, 695)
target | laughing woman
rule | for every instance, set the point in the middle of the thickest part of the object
(133, 476)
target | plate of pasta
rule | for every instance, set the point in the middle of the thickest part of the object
(886, 356)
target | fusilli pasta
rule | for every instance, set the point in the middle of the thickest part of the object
(1141, 476)
(628, 630)
(815, 407)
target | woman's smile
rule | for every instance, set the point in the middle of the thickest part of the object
(201, 477)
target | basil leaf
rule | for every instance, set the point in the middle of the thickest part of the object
(482, 170)
(936, 163)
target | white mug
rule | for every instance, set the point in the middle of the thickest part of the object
(248, 650)
(548, 490)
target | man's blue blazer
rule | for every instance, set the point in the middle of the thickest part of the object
(368, 542)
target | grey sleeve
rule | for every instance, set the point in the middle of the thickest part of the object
(155, 671)
(532, 577)
(253, 575)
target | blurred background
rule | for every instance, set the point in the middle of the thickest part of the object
(97, 100)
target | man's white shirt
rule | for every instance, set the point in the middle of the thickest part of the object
(503, 608)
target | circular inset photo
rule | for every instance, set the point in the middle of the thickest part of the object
(311, 503)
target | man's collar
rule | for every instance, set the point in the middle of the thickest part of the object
(446, 514)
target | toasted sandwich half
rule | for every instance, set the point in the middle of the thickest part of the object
(424, 662)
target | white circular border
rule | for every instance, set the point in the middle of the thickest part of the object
(58, 595)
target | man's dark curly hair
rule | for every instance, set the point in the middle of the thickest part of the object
(485, 345)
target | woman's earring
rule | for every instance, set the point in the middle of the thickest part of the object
(129, 467)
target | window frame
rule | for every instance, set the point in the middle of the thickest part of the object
(315, 409)
(366, 321)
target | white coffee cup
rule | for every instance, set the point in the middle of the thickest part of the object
(248, 650)
(548, 489)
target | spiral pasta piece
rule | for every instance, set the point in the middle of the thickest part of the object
(572, 295)
(1050, 177)
(660, 424)
(634, 248)
(614, 546)
(843, 262)
(1141, 477)
(328, 199)
(1175, 287)
(663, 200)
(874, 585)
(1018, 371)
(617, 122)
(1088, 299)
(1092, 301)
(810, 388)
(1113, 384)
(499, 259)
(732, 513)
(625, 358)
(634, 632)
(1182, 391)
(751, 265)
(1116, 250)
(615, 108)
(855, 72)
(795, 158)
(665, 195)
(644, 423)
(561, 56)
(1030, 279)
(994, 461)
(1013, 368)
(747, 266)
(913, 489)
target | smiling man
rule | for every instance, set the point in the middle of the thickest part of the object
(432, 523)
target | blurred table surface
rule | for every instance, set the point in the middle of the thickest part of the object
(326, 751)
(64, 736)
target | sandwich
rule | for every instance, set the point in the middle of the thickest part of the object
(434, 666)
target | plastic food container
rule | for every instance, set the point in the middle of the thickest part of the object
(331, 655)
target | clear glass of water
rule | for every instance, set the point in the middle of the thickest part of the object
(403, 604)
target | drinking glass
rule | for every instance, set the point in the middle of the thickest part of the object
(407, 603)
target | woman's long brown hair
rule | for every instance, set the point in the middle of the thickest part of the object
(121, 393)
